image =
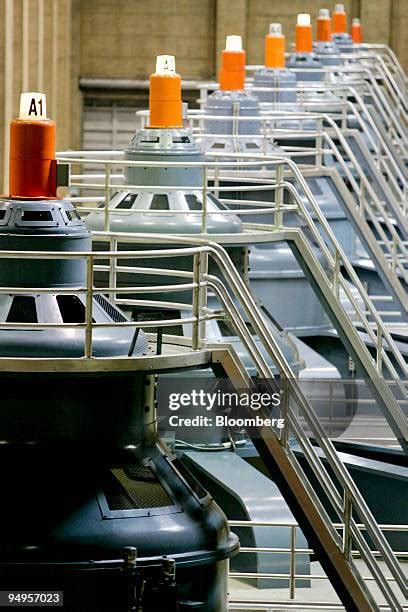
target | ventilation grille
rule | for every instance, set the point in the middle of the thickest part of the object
(135, 488)
(165, 315)
(72, 214)
(153, 139)
(2, 214)
(71, 308)
(110, 309)
(214, 200)
(142, 473)
(193, 202)
(127, 202)
(23, 310)
(159, 202)
(36, 215)
(180, 139)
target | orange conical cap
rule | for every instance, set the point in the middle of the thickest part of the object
(165, 104)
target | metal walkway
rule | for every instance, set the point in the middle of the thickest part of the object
(334, 551)
(342, 495)
(381, 226)
(360, 84)
(244, 595)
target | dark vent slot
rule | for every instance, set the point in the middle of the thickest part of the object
(72, 214)
(193, 202)
(152, 139)
(71, 308)
(127, 202)
(250, 328)
(252, 145)
(190, 479)
(110, 309)
(140, 491)
(36, 215)
(218, 145)
(172, 330)
(226, 328)
(214, 200)
(23, 310)
(179, 139)
(2, 214)
(159, 202)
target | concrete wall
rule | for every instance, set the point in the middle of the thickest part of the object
(260, 13)
(47, 45)
(398, 35)
(35, 55)
(121, 38)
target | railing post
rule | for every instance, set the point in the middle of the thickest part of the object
(319, 144)
(278, 217)
(394, 255)
(107, 197)
(216, 181)
(236, 107)
(362, 200)
(88, 306)
(204, 207)
(379, 349)
(336, 274)
(195, 336)
(284, 407)
(112, 268)
(347, 513)
(264, 136)
(331, 413)
(203, 295)
(292, 563)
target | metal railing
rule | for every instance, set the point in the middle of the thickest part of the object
(393, 251)
(342, 100)
(293, 551)
(352, 498)
(198, 249)
(390, 58)
(331, 282)
(330, 248)
(378, 154)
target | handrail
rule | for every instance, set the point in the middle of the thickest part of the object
(197, 248)
(388, 159)
(330, 256)
(246, 300)
(238, 288)
(293, 551)
(381, 49)
(341, 93)
(394, 245)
